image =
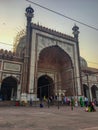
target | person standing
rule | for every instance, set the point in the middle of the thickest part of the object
(72, 103)
(81, 102)
(31, 102)
(86, 101)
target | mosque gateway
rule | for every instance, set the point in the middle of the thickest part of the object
(45, 63)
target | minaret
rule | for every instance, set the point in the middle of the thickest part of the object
(26, 64)
(76, 35)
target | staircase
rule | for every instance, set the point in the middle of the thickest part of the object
(7, 103)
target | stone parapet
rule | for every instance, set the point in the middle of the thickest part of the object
(9, 55)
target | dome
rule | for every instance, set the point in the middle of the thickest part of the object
(29, 9)
(83, 62)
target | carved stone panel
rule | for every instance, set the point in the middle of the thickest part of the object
(12, 67)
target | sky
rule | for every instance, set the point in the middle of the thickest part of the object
(13, 20)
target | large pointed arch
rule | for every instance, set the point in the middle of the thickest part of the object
(55, 55)
(54, 58)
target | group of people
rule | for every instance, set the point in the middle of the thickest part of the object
(90, 106)
(73, 102)
(83, 102)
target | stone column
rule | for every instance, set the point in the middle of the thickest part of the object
(90, 93)
(0, 85)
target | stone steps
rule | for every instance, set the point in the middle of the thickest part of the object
(7, 103)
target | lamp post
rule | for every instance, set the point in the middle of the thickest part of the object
(88, 86)
(40, 93)
(58, 99)
(48, 97)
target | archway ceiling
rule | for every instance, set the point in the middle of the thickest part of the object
(55, 55)
(94, 87)
(85, 86)
(10, 81)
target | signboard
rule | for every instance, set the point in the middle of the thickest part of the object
(12, 66)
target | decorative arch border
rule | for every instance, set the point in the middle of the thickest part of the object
(6, 75)
(44, 42)
(62, 51)
(51, 75)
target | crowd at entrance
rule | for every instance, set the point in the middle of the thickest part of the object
(70, 101)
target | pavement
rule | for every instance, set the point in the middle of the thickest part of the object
(52, 118)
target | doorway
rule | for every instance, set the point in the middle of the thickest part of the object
(8, 88)
(45, 87)
(86, 91)
(94, 91)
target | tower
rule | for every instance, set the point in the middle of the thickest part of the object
(26, 58)
(76, 35)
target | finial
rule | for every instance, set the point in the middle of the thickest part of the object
(29, 13)
(29, 9)
(75, 31)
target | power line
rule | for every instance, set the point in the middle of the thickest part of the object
(92, 62)
(63, 15)
(5, 43)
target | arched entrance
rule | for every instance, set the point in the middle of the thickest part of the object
(9, 88)
(86, 91)
(45, 87)
(56, 61)
(94, 91)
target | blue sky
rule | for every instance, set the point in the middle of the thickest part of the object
(12, 20)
